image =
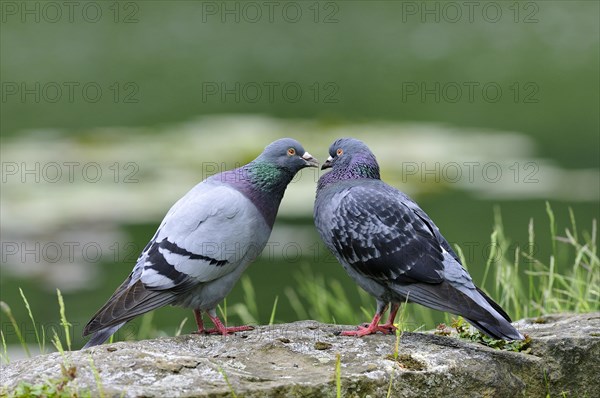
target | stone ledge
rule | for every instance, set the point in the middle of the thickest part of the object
(298, 360)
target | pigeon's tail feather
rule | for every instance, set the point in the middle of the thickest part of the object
(102, 335)
(475, 306)
(125, 305)
(500, 330)
(494, 305)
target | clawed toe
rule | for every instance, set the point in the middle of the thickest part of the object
(387, 329)
(369, 329)
(228, 330)
(361, 331)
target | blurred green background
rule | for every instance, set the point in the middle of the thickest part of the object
(157, 95)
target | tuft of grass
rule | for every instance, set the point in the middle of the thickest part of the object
(60, 387)
(325, 301)
(540, 289)
(58, 344)
(52, 388)
(464, 332)
(577, 289)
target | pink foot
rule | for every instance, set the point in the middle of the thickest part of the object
(388, 328)
(227, 330)
(222, 329)
(371, 329)
(219, 327)
(362, 331)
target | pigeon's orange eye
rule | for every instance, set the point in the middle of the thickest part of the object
(340, 151)
(291, 151)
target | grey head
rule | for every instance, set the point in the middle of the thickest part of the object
(349, 159)
(287, 154)
(265, 179)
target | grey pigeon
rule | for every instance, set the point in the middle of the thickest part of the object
(205, 242)
(392, 249)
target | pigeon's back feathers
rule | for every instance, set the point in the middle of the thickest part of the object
(379, 236)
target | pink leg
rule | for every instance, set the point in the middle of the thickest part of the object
(373, 327)
(221, 329)
(198, 317)
(363, 331)
(389, 325)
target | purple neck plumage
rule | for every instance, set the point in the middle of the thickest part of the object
(262, 183)
(361, 165)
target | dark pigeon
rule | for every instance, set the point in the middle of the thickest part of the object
(205, 242)
(392, 249)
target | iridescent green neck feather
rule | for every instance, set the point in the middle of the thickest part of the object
(267, 176)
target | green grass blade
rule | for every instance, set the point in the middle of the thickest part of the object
(552, 221)
(180, 328)
(250, 296)
(461, 256)
(368, 314)
(231, 390)
(529, 256)
(6, 309)
(56, 342)
(63, 319)
(573, 223)
(28, 307)
(389, 391)
(338, 376)
(241, 310)
(4, 349)
(223, 311)
(488, 263)
(145, 330)
(97, 378)
(295, 302)
(272, 318)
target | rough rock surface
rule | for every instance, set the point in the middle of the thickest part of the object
(299, 360)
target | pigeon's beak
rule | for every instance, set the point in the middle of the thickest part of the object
(327, 164)
(310, 161)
